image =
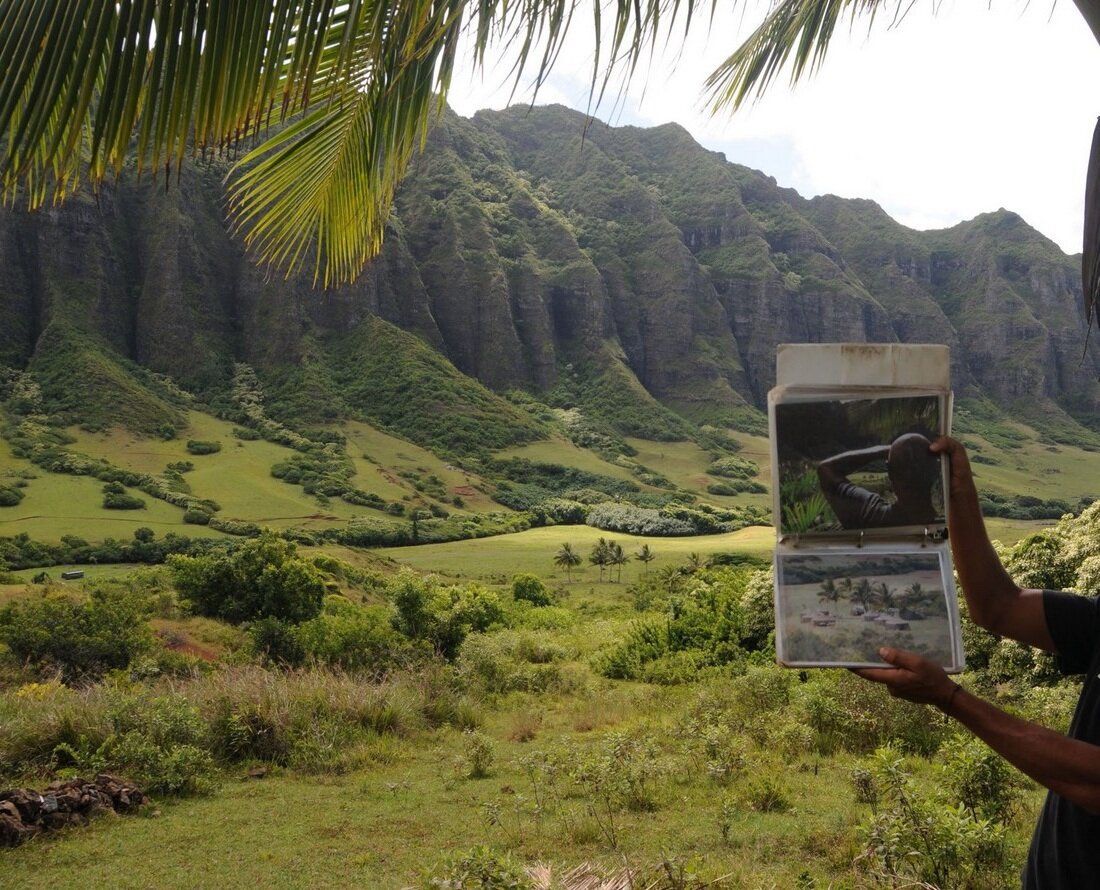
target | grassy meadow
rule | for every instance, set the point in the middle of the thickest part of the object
(530, 742)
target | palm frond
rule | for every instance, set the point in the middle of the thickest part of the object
(802, 29)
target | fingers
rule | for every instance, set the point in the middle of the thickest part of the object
(877, 675)
(942, 445)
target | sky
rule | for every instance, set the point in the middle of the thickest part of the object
(958, 109)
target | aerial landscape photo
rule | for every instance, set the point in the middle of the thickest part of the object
(388, 492)
(841, 608)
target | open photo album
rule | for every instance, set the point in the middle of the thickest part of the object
(860, 504)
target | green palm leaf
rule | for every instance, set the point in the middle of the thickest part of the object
(88, 86)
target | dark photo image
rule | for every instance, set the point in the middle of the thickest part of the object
(853, 464)
(839, 608)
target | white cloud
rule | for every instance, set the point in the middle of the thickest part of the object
(938, 119)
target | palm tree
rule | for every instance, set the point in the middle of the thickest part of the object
(616, 557)
(862, 594)
(669, 575)
(885, 595)
(351, 87)
(600, 555)
(846, 587)
(645, 556)
(829, 591)
(567, 558)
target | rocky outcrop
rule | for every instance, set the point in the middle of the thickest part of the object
(531, 247)
(66, 803)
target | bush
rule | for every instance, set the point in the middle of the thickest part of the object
(981, 780)
(198, 446)
(356, 638)
(481, 869)
(194, 516)
(275, 642)
(733, 467)
(263, 578)
(529, 588)
(80, 638)
(10, 497)
(442, 617)
(921, 839)
(115, 500)
(479, 755)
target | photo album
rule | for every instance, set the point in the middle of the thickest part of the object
(860, 504)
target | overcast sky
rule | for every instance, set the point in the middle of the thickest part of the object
(938, 118)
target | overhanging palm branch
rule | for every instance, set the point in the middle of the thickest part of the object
(88, 85)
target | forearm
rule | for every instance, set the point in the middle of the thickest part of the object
(1068, 767)
(835, 469)
(987, 586)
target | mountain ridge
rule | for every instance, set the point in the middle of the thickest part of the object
(626, 272)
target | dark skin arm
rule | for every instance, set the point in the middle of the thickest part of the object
(1068, 767)
(995, 601)
(834, 470)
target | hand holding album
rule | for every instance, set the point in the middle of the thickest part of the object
(861, 557)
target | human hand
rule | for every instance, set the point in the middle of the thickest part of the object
(961, 477)
(913, 678)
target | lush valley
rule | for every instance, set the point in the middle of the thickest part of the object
(466, 565)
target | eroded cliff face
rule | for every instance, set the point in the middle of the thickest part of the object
(537, 252)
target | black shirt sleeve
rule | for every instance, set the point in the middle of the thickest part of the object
(1073, 622)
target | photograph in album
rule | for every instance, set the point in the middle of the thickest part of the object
(838, 607)
(857, 462)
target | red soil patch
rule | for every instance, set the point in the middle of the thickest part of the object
(188, 647)
(465, 491)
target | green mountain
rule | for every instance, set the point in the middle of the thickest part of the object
(626, 273)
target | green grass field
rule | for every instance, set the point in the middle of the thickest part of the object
(1037, 468)
(390, 823)
(560, 450)
(685, 463)
(239, 479)
(390, 456)
(495, 560)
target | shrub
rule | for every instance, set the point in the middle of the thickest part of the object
(121, 501)
(529, 588)
(360, 638)
(733, 467)
(766, 794)
(919, 839)
(198, 446)
(79, 638)
(506, 662)
(479, 755)
(849, 714)
(442, 617)
(155, 740)
(194, 516)
(980, 779)
(10, 497)
(263, 578)
(481, 869)
(275, 642)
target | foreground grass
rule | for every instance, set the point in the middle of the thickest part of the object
(389, 824)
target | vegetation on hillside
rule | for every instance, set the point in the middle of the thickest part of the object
(435, 671)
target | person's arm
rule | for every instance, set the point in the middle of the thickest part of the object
(995, 601)
(1068, 767)
(834, 470)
